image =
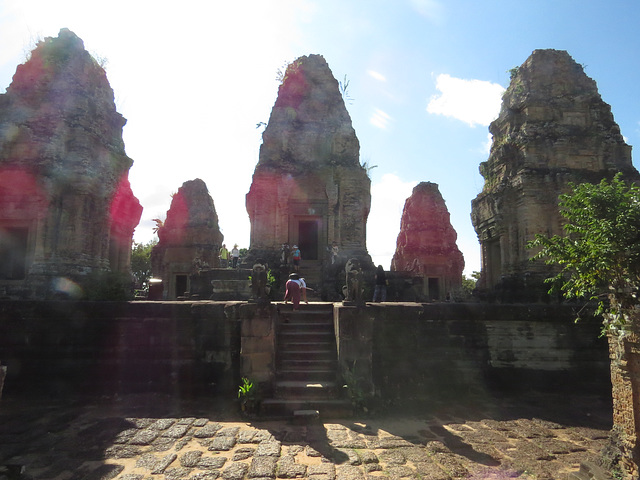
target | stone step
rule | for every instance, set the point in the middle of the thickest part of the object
(308, 355)
(305, 318)
(310, 376)
(306, 417)
(308, 390)
(315, 307)
(277, 407)
(291, 337)
(307, 364)
(307, 327)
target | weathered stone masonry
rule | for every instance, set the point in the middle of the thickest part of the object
(66, 206)
(553, 128)
(189, 348)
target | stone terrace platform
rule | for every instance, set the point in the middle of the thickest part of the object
(141, 437)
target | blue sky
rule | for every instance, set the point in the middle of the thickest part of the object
(193, 78)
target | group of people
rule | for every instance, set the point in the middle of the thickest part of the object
(290, 255)
(296, 287)
(225, 256)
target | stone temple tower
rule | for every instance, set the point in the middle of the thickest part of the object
(426, 244)
(309, 188)
(66, 206)
(553, 128)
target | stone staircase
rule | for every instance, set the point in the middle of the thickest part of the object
(306, 383)
(311, 271)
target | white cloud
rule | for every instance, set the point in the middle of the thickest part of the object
(387, 202)
(376, 75)
(380, 119)
(430, 9)
(475, 102)
(486, 147)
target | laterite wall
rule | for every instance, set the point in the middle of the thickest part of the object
(399, 350)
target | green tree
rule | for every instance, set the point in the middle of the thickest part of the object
(469, 284)
(141, 262)
(599, 258)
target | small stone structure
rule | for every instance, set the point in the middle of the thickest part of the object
(426, 244)
(66, 206)
(189, 240)
(553, 129)
(309, 188)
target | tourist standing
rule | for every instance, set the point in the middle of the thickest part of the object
(296, 258)
(235, 255)
(224, 256)
(380, 289)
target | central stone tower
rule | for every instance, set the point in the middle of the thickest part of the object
(309, 188)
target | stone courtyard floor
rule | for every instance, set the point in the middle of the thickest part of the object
(144, 437)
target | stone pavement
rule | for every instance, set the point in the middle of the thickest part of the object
(147, 437)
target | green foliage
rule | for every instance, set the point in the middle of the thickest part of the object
(107, 286)
(599, 258)
(141, 262)
(247, 389)
(513, 72)
(344, 91)
(469, 284)
(271, 279)
(368, 167)
(249, 396)
(287, 70)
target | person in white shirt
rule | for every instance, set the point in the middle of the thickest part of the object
(303, 289)
(235, 254)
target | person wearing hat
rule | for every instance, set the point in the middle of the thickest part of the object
(296, 258)
(292, 291)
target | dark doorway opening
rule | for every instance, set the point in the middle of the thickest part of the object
(308, 239)
(434, 288)
(13, 253)
(181, 285)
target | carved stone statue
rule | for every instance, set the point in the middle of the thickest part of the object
(259, 282)
(354, 286)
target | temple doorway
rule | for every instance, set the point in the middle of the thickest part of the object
(182, 282)
(308, 239)
(434, 288)
(13, 253)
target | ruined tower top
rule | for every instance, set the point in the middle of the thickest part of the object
(309, 125)
(61, 93)
(192, 218)
(552, 116)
